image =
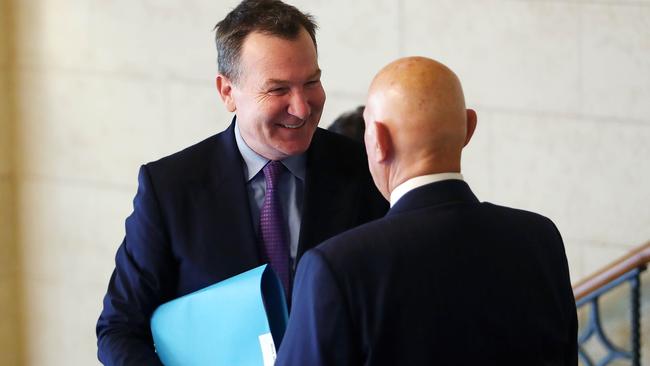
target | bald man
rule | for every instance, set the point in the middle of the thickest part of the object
(442, 279)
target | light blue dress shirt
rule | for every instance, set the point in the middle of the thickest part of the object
(291, 189)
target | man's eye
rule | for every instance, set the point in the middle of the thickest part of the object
(278, 91)
(313, 82)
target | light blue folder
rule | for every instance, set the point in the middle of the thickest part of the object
(236, 322)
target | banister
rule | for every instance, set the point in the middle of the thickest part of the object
(638, 257)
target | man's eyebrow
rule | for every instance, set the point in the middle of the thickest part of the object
(315, 75)
(272, 82)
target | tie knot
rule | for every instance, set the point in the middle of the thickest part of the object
(272, 172)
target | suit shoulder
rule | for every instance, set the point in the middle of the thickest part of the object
(520, 217)
(196, 161)
(338, 149)
(329, 137)
(189, 155)
(355, 240)
(514, 212)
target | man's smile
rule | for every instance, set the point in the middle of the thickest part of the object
(294, 126)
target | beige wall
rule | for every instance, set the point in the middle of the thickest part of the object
(9, 295)
(561, 89)
(102, 87)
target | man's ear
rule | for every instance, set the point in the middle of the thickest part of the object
(471, 125)
(224, 87)
(383, 142)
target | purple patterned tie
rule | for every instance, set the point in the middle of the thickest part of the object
(272, 227)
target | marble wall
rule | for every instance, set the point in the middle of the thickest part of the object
(560, 87)
(102, 87)
(9, 293)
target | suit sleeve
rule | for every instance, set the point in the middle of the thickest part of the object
(569, 300)
(318, 332)
(139, 283)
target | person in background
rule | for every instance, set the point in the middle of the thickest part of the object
(350, 124)
(442, 279)
(268, 188)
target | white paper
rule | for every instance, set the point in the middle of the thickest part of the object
(268, 349)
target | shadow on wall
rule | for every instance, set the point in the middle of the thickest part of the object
(10, 295)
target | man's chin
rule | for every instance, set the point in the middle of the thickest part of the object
(294, 141)
(292, 148)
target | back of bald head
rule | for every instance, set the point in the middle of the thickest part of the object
(421, 103)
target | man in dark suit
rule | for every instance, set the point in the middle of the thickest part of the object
(202, 215)
(442, 279)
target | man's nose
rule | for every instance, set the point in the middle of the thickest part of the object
(299, 105)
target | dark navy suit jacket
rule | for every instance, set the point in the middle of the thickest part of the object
(441, 280)
(191, 227)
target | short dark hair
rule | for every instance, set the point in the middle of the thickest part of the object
(272, 17)
(350, 124)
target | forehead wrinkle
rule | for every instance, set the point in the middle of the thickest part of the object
(273, 81)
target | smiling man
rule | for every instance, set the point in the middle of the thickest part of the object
(268, 188)
(279, 99)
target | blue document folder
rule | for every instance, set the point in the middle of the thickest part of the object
(236, 322)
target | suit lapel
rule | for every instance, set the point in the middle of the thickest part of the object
(225, 200)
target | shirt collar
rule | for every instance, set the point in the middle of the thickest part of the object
(419, 181)
(254, 162)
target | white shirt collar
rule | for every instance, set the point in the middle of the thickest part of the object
(417, 182)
